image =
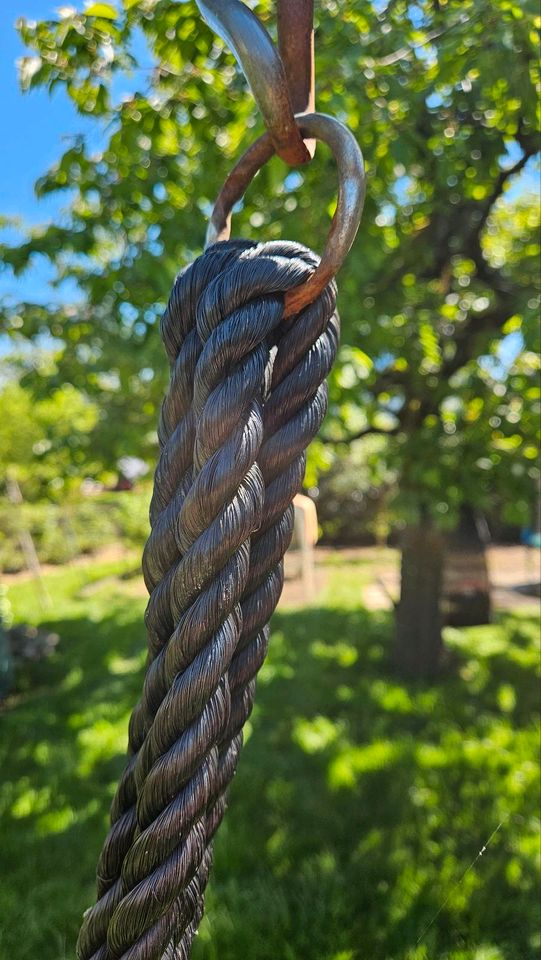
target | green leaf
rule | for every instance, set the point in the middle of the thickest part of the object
(104, 10)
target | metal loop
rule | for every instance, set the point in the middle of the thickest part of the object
(347, 216)
(246, 36)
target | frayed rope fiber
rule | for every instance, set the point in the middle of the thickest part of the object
(247, 395)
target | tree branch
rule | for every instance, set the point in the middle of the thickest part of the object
(404, 52)
(499, 188)
(491, 321)
(366, 432)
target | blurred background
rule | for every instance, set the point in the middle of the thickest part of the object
(387, 802)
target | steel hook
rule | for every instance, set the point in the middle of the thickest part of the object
(263, 67)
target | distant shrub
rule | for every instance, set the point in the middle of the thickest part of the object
(353, 497)
(62, 531)
(132, 516)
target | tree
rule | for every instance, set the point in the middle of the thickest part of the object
(437, 297)
(45, 443)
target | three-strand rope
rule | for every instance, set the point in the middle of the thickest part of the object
(246, 397)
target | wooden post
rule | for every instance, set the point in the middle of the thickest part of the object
(306, 537)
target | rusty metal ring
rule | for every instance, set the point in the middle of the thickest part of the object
(347, 216)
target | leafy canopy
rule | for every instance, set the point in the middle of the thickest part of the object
(440, 293)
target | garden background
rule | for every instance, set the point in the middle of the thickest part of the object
(387, 801)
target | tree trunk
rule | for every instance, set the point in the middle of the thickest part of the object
(466, 583)
(418, 645)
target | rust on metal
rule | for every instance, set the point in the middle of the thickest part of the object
(347, 216)
(296, 47)
(246, 36)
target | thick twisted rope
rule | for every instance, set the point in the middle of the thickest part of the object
(232, 459)
(292, 413)
(298, 389)
(173, 478)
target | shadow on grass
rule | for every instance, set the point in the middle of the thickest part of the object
(62, 749)
(360, 800)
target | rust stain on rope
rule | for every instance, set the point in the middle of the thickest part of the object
(247, 395)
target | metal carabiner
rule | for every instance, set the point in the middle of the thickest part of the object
(263, 67)
(347, 216)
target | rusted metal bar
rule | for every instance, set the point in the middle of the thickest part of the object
(235, 23)
(296, 47)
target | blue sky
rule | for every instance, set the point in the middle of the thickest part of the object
(37, 126)
(40, 127)
(36, 122)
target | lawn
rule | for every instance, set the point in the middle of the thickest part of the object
(360, 807)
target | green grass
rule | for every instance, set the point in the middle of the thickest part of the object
(359, 808)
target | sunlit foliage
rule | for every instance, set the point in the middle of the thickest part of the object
(440, 294)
